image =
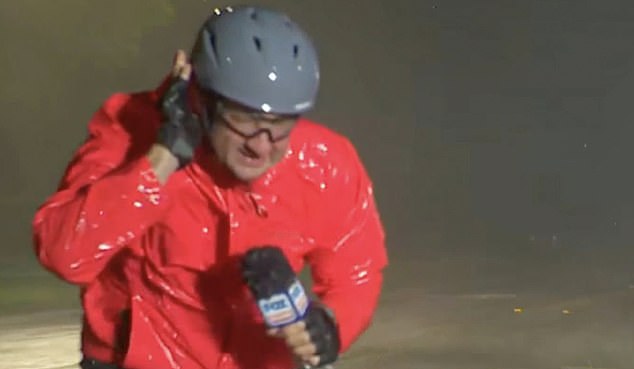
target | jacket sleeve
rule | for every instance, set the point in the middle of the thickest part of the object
(102, 203)
(347, 269)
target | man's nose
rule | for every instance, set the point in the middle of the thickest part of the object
(260, 143)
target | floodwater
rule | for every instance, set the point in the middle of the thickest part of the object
(416, 327)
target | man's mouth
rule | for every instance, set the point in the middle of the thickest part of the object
(250, 158)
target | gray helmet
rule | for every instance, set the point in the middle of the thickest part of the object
(259, 58)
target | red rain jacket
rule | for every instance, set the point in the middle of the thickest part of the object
(158, 265)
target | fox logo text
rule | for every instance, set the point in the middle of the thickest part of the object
(299, 298)
(278, 310)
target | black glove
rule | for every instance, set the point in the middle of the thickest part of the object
(267, 273)
(181, 131)
(323, 332)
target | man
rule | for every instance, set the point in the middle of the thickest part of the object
(173, 186)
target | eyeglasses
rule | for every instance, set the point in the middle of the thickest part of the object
(247, 124)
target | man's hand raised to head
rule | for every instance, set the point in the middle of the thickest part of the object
(180, 132)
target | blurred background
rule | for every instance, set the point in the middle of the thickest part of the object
(497, 132)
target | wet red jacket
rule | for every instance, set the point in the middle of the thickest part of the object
(157, 265)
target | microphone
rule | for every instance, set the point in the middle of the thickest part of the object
(280, 296)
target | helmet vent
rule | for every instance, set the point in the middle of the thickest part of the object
(258, 43)
(212, 40)
(295, 51)
(254, 14)
(206, 45)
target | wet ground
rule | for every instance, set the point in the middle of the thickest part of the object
(416, 327)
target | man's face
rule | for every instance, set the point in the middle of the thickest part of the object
(248, 142)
